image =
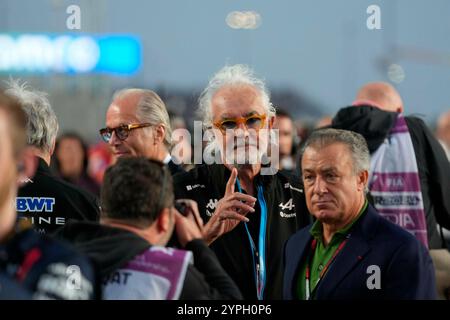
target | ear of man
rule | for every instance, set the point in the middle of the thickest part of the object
(164, 221)
(363, 179)
(159, 133)
(52, 149)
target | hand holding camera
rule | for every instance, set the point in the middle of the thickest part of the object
(188, 223)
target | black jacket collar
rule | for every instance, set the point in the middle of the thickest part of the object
(174, 168)
(43, 167)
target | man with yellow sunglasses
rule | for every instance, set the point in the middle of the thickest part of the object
(249, 211)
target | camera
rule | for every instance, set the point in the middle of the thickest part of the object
(181, 207)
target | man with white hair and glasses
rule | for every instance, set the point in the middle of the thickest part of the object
(249, 210)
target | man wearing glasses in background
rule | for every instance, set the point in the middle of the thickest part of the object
(137, 124)
(248, 213)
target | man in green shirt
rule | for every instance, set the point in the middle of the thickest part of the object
(323, 254)
(350, 251)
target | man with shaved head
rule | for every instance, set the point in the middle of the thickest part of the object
(381, 95)
(409, 179)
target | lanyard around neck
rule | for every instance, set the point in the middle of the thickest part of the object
(324, 270)
(259, 254)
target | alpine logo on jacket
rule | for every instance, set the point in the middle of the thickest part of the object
(287, 207)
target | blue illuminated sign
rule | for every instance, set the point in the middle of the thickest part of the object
(73, 54)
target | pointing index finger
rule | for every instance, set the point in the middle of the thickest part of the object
(231, 182)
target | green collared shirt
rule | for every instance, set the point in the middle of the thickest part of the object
(322, 254)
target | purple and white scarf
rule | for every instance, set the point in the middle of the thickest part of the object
(156, 274)
(394, 182)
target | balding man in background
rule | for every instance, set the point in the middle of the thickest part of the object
(381, 95)
(409, 178)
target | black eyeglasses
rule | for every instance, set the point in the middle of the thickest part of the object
(122, 131)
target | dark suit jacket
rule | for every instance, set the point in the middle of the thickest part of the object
(406, 269)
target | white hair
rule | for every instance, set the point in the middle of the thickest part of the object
(42, 124)
(238, 74)
(150, 109)
(234, 75)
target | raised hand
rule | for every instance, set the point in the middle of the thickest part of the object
(230, 211)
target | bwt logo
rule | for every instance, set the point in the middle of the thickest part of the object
(34, 204)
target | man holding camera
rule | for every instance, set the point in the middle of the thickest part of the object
(128, 246)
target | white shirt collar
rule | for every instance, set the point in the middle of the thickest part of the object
(167, 159)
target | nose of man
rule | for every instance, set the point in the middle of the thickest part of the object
(320, 186)
(241, 131)
(114, 139)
